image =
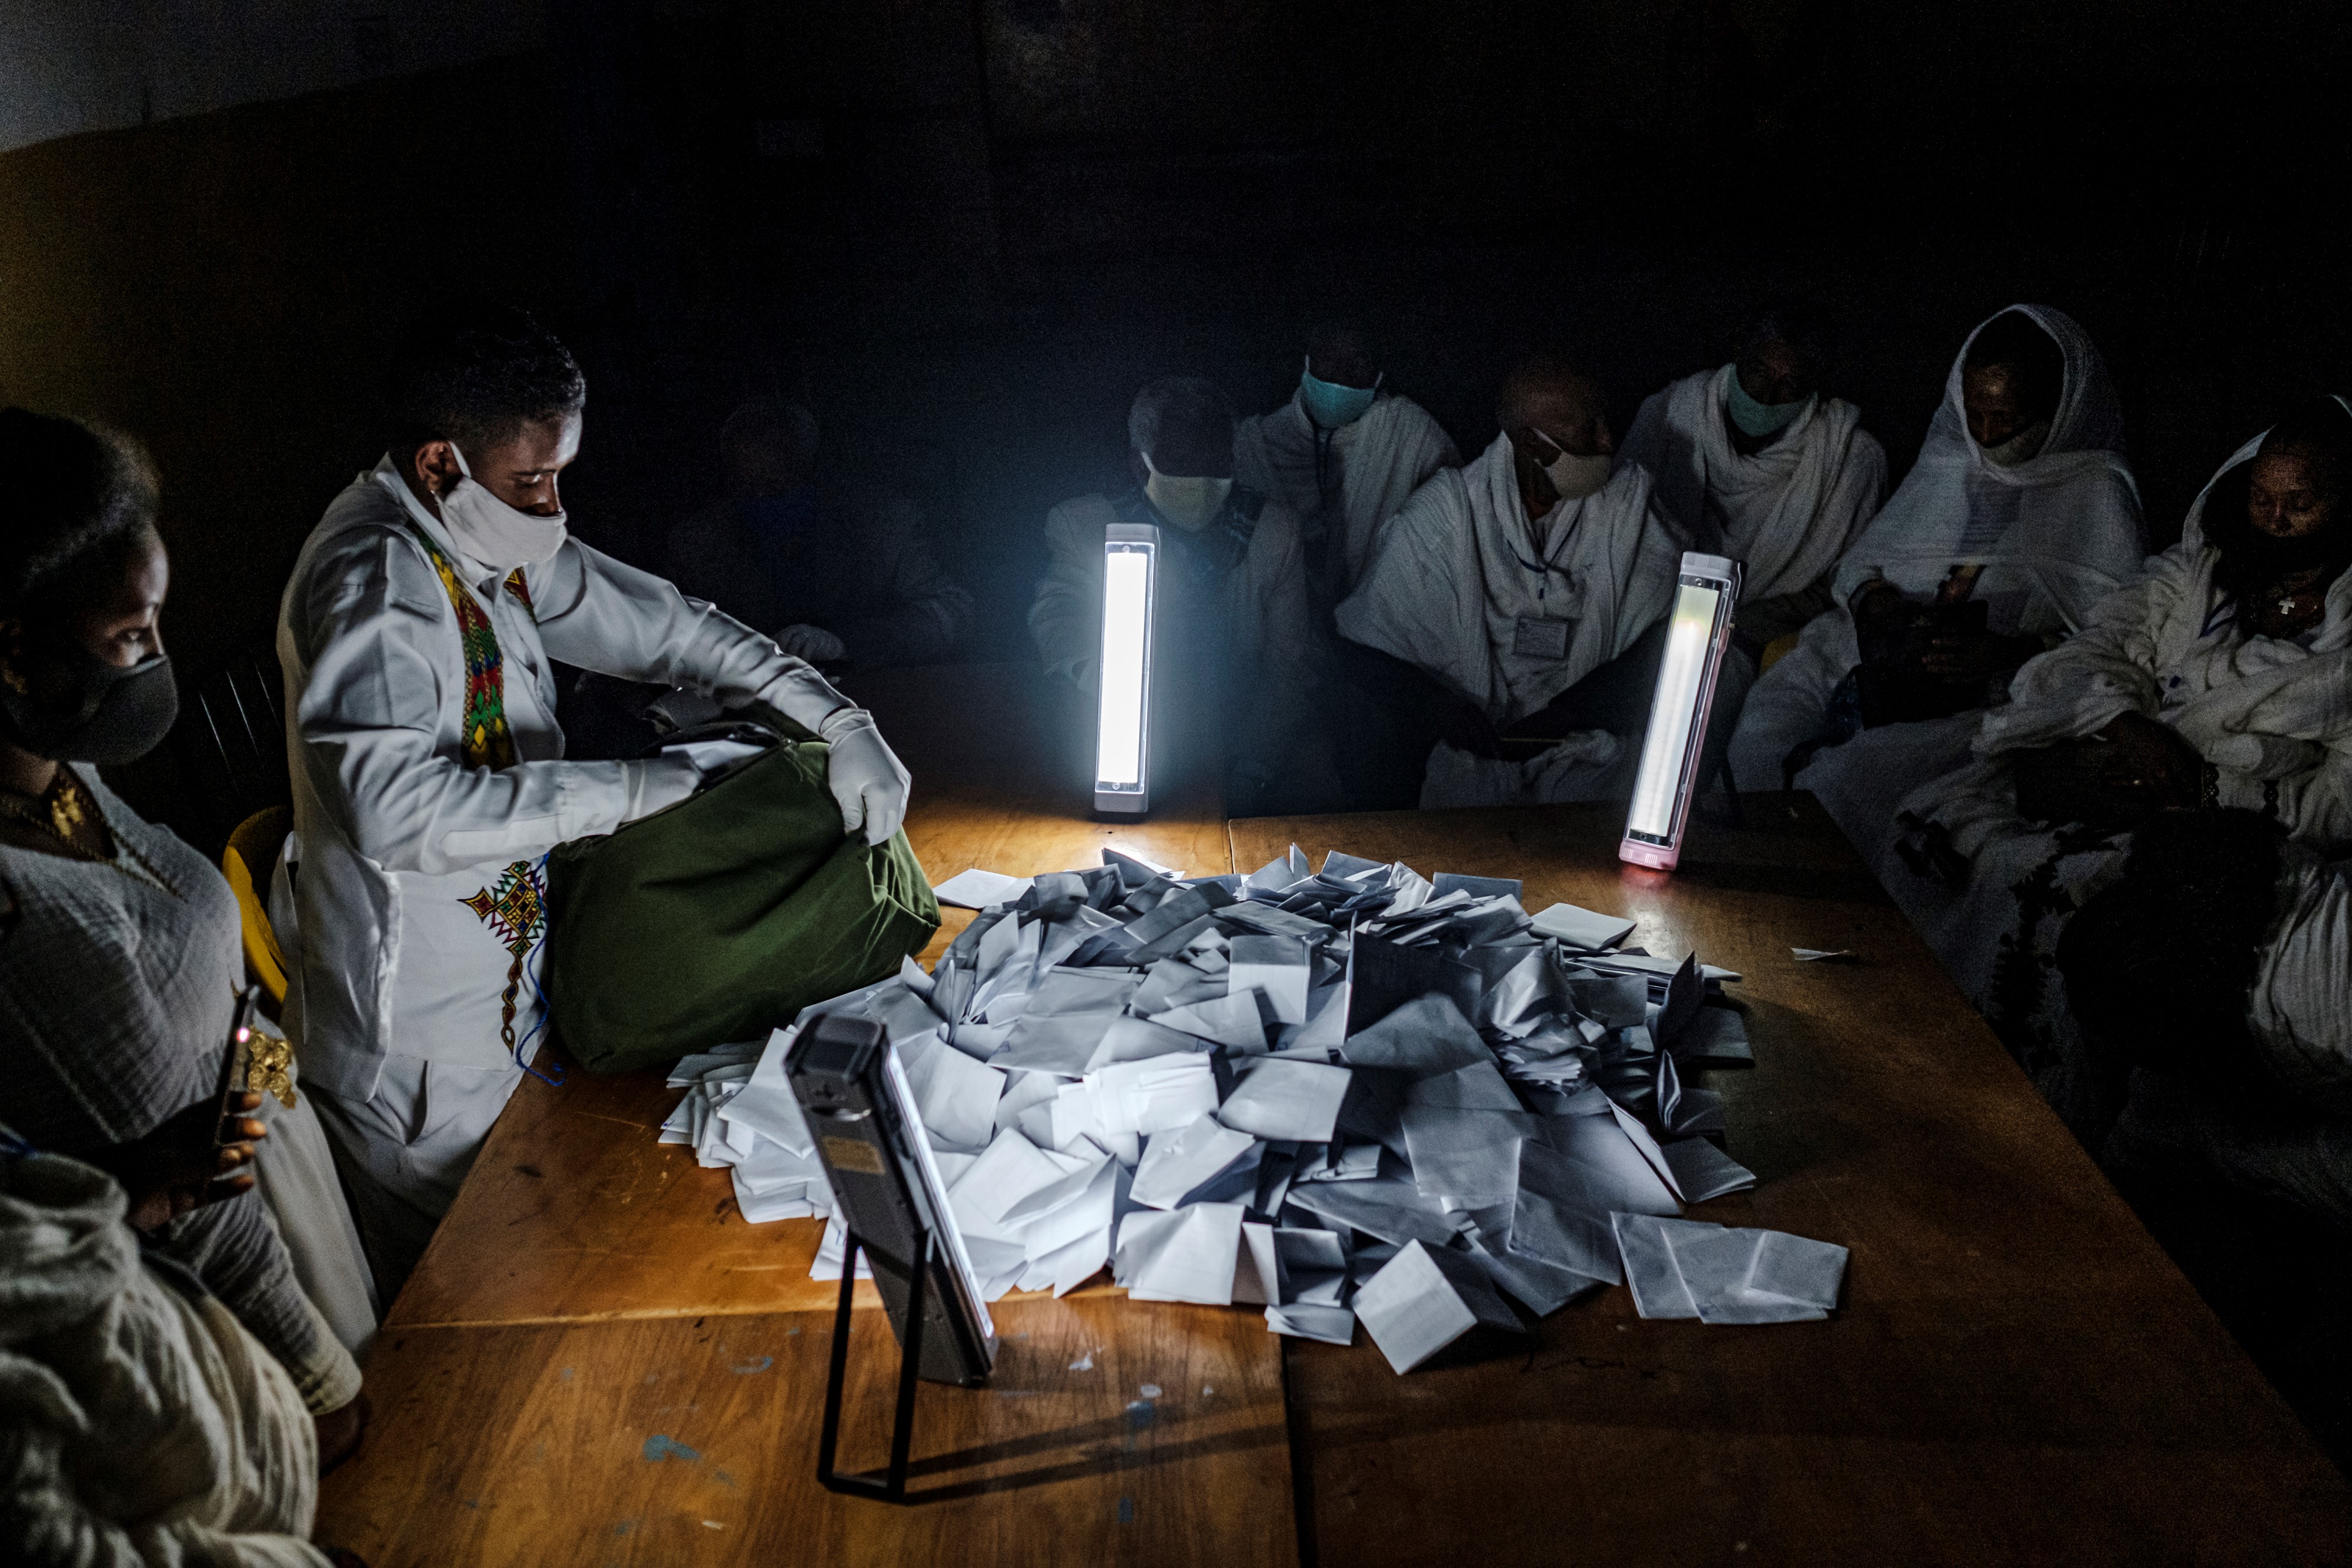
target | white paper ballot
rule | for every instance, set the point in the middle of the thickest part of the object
(1257, 1277)
(1424, 1298)
(1293, 1101)
(978, 889)
(1714, 1268)
(1332, 1325)
(1703, 1171)
(1650, 1269)
(1156, 1095)
(1175, 1163)
(1815, 955)
(955, 1096)
(1232, 1020)
(1792, 1269)
(1278, 967)
(1183, 1255)
(1582, 927)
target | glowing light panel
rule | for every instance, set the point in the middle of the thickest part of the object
(1122, 742)
(1697, 634)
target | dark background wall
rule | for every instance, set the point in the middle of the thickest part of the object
(964, 230)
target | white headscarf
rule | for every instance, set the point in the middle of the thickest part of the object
(2193, 531)
(2065, 521)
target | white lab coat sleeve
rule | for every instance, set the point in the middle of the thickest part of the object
(1065, 618)
(597, 614)
(380, 638)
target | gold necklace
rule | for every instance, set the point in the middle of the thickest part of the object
(67, 811)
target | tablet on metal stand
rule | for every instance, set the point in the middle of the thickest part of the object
(894, 1209)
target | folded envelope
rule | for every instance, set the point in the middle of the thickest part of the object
(1298, 1100)
(1424, 1298)
(1175, 1165)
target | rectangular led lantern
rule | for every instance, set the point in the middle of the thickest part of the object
(1698, 630)
(1123, 728)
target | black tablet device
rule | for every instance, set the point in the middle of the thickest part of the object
(861, 1113)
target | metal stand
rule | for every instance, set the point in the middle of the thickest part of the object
(891, 1485)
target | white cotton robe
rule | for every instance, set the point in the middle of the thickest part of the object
(143, 1425)
(1347, 481)
(1460, 567)
(2054, 535)
(1786, 512)
(394, 833)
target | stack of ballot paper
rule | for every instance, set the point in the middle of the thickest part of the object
(1339, 1095)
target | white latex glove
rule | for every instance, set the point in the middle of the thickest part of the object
(866, 774)
(814, 643)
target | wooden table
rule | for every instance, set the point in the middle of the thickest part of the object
(2018, 1373)
(598, 1362)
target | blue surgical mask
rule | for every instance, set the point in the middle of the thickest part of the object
(1331, 406)
(779, 517)
(1753, 419)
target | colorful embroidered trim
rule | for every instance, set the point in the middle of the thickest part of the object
(515, 910)
(485, 742)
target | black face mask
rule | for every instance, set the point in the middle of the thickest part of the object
(114, 715)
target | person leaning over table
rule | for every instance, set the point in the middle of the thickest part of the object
(120, 950)
(429, 777)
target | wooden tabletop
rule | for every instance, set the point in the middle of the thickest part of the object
(2017, 1373)
(599, 1362)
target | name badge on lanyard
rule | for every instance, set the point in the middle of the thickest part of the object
(1541, 637)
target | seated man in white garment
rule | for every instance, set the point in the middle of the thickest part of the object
(1755, 462)
(1344, 454)
(1508, 604)
(1232, 651)
(2218, 677)
(428, 769)
(2019, 514)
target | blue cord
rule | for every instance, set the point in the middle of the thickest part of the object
(536, 995)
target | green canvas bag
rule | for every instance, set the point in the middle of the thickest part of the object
(721, 917)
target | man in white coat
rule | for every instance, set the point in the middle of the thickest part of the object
(1344, 454)
(1232, 649)
(1512, 599)
(1756, 463)
(429, 771)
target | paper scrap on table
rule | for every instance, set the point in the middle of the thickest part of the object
(978, 888)
(1583, 927)
(1815, 955)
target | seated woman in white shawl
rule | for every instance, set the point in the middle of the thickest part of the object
(2212, 989)
(1510, 600)
(2019, 514)
(2221, 677)
(1756, 463)
(1344, 454)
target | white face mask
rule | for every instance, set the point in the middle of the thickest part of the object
(1573, 477)
(2022, 447)
(500, 537)
(1188, 503)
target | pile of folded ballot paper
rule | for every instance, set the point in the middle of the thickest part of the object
(1346, 1094)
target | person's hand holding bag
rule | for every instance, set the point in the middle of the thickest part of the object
(865, 775)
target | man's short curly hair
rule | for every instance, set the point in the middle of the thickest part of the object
(477, 372)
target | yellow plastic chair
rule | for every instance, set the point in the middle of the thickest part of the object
(256, 842)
